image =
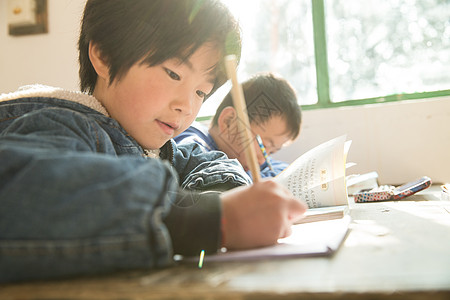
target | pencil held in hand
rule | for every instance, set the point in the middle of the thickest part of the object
(264, 152)
(244, 124)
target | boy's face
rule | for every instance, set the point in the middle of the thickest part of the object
(274, 134)
(154, 104)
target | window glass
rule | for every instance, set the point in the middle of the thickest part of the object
(385, 47)
(277, 37)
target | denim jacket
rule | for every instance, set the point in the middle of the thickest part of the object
(78, 195)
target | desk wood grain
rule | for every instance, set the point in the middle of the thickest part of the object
(394, 250)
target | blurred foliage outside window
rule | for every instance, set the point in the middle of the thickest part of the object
(337, 52)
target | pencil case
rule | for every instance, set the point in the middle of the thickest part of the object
(389, 193)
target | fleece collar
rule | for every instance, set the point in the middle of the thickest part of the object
(38, 90)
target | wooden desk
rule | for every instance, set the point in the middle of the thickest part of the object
(395, 250)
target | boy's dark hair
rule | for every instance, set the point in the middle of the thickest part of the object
(266, 96)
(128, 31)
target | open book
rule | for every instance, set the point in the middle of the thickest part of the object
(318, 178)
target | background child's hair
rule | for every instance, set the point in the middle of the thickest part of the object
(152, 31)
(266, 96)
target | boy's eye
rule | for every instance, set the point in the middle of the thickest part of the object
(201, 94)
(274, 149)
(173, 75)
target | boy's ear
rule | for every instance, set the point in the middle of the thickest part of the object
(226, 118)
(97, 61)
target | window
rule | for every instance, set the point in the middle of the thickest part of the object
(383, 47)
(346, 52)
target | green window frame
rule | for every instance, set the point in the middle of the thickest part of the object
(322, 76)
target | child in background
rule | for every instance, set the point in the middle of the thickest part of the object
(274, 115)
(91, 182)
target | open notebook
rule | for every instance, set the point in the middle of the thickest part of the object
(310, 239)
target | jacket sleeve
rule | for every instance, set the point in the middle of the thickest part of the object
(207, 170)
(194, 223)
(70, 206)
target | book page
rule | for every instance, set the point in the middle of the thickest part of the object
(318, 176)
(307, 240)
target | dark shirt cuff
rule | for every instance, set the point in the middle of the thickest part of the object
(194, 223)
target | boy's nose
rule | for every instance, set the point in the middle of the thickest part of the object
(269, 150)
(184, 104)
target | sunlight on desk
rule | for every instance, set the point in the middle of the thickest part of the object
(435, 211)
(368, 232)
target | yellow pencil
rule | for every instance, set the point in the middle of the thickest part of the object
(244, 124)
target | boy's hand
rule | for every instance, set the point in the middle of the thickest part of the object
(258, 215)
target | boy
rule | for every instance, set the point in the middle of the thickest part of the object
(274, 115)
(89, 182)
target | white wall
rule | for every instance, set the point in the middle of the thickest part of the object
(43, 58)
(400, 141)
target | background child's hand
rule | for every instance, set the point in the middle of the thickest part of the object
(258, 215)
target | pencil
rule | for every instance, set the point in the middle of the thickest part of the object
(264, 152)
(244, 125)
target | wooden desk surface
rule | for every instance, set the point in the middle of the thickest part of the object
(394, 250)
